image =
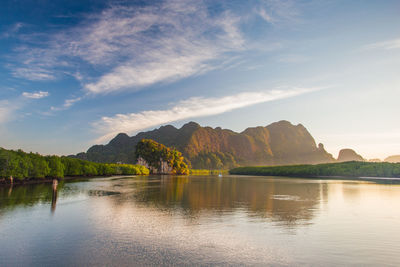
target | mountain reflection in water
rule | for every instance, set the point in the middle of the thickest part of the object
(288, 203)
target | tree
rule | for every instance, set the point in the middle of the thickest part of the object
(56, 167)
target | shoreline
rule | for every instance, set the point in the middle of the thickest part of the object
(393, 180)
(29, 181)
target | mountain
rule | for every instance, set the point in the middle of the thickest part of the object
(213, 148)
(348, 154)
(393, 159)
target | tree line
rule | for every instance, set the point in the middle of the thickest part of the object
(346, 169)
(21, 165)
(214, 161)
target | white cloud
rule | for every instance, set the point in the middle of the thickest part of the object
(108, 127)
(264, 15)
(160, 44)
(129, 47)
(12, 30)
(387, 45)
(5, 111)
(134, 46)
(35, 95)
(8, 110)
(34, 74)
(67, 104)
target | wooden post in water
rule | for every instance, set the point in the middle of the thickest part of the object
(54, 196)
(10, 190)
(55, 183)
(11, 179)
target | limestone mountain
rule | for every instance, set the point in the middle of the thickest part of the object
(393, 159)
(213, 148)
(348, 154)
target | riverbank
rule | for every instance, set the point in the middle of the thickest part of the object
(28, 181)
(20, 167)
(351, 169)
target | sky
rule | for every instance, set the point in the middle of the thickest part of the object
(76, 73)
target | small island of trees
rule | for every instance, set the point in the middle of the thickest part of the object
(160, 159)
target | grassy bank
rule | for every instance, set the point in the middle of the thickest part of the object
(31, 166)
(344, 169)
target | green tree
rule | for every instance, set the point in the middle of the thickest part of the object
(56, 167)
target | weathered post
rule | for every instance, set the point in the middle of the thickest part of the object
(11, 179)
(10, 190)
(54, 196)
(55, 183)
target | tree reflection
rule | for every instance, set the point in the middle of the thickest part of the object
(284, 201)
(28, 195)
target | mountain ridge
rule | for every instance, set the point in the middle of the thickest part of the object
(278, 143)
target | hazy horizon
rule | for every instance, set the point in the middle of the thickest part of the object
(76, 74)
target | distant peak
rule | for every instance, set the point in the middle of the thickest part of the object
(348, 154)
(120, 138)
(168, 127)
(191, 124)
(282, 123)
(121, 135)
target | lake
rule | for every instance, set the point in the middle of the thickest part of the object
(195, 220)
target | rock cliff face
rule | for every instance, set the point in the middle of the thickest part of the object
(278, 143)
(163, 168)
(348, 154)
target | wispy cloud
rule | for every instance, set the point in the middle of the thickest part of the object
(9, 109)
(12, 30)
(160, 44)
(67, 104)
(387, 45)
(5, 111)
(135, 46)
(265, 16)
(34, 73)
(12, 109)
(128, 47)
(35, 95)
(108, 127)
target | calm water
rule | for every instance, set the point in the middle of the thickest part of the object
(201, 221)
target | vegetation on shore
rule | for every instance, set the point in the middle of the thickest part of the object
(21, 165)
(207, 172)
(345, 169)
(154, 153)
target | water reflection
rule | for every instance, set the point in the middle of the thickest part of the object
(54, 196)
(200, 221)
(28, 195)
(285, 202)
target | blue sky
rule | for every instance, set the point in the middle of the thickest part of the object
(76, 73)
